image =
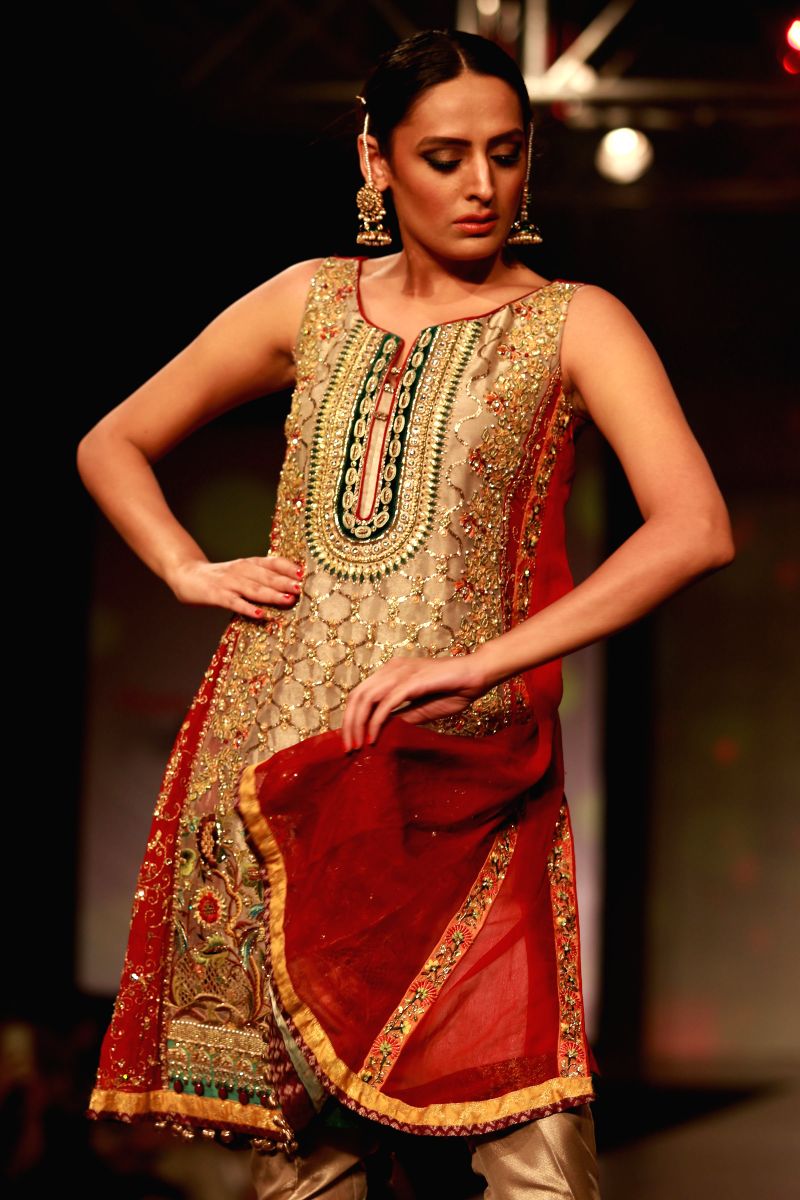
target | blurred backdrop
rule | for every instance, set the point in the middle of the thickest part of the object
(195, 148)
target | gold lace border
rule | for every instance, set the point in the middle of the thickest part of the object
(219, 1114)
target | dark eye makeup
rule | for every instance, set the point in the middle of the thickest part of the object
(505, 160)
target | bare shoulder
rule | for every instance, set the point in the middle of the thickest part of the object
(284, 296)
(297, 277)
(600, 333)
(262, 326)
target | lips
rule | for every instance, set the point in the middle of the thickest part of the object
(476, 224)
(477, 219)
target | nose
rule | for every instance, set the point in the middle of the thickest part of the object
(481, 182)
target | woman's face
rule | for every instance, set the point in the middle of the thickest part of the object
(459, 151)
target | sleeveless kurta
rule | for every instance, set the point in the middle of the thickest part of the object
(396, 927)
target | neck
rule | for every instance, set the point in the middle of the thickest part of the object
(420, 274)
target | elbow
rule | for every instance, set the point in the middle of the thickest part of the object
(83, 455)
(726, 551)
(715, 547)
(88, 454)
(80, 455)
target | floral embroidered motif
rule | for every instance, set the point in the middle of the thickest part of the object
(207, 906)
(452, 946)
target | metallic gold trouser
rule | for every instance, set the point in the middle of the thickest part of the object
(553, 1157)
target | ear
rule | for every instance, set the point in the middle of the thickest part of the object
(381, 174)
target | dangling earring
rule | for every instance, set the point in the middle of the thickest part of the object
(370, 202)
(523, 232)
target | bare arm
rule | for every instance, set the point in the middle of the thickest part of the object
(245, 352)
(612, 370)
(609, 361)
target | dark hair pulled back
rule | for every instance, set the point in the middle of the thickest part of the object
(423, 60)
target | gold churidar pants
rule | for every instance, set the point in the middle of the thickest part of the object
(553, 1157)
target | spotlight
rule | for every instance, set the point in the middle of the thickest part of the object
(624, 155)
(790, 61)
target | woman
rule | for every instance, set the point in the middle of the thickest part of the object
(362, 842)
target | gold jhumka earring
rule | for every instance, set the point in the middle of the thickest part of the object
(370, 201)
(523, 232)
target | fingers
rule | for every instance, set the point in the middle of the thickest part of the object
(241, 584)
(356, 709)
(281, 574)
(371, 702)
(272, 580)
(423, 689)
(382, 710)
(239, 605)
(358, 706)
(281, 565)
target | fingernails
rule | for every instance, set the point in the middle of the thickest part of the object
(299, 572)
(259, 612)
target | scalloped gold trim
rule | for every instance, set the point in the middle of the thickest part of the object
(343, 1079)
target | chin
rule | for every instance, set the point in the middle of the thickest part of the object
(477, 247)
(455, 245)
(461, 246)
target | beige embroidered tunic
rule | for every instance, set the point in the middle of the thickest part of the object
(417, 485)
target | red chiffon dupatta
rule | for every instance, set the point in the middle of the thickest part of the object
(422, 922)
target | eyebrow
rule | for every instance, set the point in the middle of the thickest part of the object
(451, 141)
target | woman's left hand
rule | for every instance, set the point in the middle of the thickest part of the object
(428, 687)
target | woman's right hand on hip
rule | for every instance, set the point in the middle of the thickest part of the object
(244, 585)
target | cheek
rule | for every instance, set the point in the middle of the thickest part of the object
(431, 194)
(510, 184)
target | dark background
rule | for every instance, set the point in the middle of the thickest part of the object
(180, 154)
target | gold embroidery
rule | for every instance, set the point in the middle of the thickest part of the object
(445, 598)
(412, 589)
(388, 423)
(561, 867)
(452, 946)
(329, 300)
(439, 355)
(506, 416)
(363, 511)
(288, 677)
(141, 973)
(216, 975)
(268, 1126)
(532, 521)
(211, 1060)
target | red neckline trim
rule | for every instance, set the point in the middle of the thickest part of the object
(361, 258)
